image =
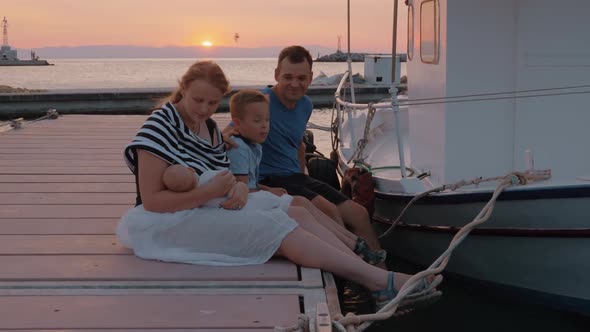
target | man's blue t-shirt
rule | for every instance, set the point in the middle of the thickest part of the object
(286, 133)
(244, 160)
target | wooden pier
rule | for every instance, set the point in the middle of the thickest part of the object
(63, 187)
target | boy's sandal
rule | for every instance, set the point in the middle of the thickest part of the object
(373, 257)
(424, 295)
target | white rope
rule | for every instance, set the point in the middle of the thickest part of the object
(364, 321)
(51, 114)
(301, 325)
(357, 156)
(20, 123)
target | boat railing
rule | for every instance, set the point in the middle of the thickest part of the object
(393, 104)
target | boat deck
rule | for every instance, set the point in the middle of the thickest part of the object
(63, 187)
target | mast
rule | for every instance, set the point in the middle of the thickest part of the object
(349, 59)
(394, 46)
(393, 90)
(4, 32)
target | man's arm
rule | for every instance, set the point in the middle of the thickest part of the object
(227, 133)
(301, 157)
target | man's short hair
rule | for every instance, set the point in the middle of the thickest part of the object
(239, 101)
(295, 54)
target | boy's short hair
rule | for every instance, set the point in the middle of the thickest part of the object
(239, 101)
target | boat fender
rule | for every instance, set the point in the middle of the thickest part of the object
(357, 184)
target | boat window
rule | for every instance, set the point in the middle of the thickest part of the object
(410, 32)
(429, 31)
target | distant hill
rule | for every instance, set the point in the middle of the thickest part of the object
(130, 51)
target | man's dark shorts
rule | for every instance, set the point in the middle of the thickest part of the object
(306, 186)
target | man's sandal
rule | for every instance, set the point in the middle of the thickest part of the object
(373, 257)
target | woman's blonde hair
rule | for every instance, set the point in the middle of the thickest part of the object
(208, 71)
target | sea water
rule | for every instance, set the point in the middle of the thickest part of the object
(146, 73)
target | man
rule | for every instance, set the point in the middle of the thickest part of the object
(283, 158)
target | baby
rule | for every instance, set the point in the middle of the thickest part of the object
(180, 178)
(183, 178)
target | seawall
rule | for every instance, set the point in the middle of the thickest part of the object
(140, 101)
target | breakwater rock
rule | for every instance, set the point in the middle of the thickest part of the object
(341, 57)
(9, 89)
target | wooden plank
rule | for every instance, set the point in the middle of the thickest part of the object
(148, 311)
(82, 131)
(64, 211)
(62, 156)
(128, 126)
(65, 135)
(96, 122)
(13, 136)
(58, 226)
(67, 187)
(94, 144)
(107, 121)
(61, 244)
(59, 141)
(80, 178)
(72, 152)
(105, 125)
(64, 170)
(150, 330)
(100, 122)
(67, 198)
(68, 163)
(323, 320)
(131, 268)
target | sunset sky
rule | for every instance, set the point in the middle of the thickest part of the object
(260, 23)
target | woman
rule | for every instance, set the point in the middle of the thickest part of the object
(172, 226)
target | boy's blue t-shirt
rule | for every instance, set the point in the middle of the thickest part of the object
(244, 160)
(286, 133)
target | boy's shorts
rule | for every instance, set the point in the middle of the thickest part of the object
(306, 186)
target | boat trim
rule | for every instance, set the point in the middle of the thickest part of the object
(506, 232)
(580, 191)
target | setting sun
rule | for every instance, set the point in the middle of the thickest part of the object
(207, 43)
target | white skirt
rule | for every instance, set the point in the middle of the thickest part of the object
(206, 236)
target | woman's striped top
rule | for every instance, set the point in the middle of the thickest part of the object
(165, 135)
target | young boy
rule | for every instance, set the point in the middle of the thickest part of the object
(251, 120)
